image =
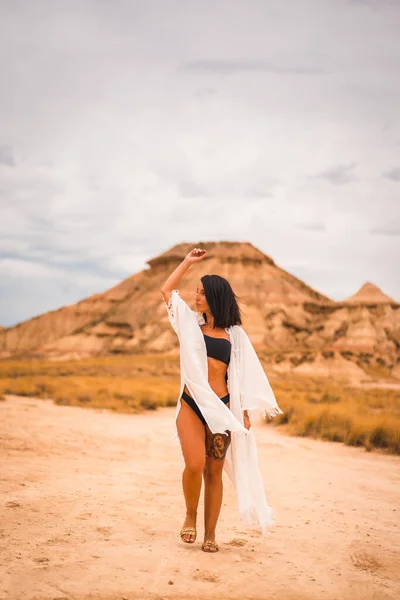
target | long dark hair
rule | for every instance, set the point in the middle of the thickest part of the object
(222, 301)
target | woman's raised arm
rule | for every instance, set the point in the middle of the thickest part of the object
(174, 279)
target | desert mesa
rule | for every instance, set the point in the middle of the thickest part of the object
(293, 326)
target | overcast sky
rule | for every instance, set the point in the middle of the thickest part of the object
(129, 126)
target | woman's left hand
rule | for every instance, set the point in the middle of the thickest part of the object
(246, 421)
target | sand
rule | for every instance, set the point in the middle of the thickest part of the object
(91, 507)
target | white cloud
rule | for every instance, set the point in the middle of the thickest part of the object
(393, 174)
(23, 269)
(339, 174)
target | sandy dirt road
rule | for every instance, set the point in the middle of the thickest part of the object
(91, 507)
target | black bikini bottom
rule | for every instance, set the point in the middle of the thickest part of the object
(189, 400)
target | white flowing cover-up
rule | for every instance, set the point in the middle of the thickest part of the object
(249, 389)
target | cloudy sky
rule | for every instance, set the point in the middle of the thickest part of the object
(128, 126)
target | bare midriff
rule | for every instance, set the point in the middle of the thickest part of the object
(216, 369)
(216, 377)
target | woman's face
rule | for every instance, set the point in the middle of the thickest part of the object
(201, 302)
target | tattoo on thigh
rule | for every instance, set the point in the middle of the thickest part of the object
(217, 445)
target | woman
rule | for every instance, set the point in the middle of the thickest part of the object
(219, 367)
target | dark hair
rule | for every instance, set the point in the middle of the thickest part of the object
(222, 301)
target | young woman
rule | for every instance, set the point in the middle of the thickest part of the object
(215, 353)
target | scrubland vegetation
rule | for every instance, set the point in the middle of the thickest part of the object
(328, 410)
(312, 407)
(120, 383)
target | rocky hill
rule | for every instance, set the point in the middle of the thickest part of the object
(291, 324)
(370, 295)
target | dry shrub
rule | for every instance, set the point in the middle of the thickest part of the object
(125, 384)
(312, 407)
(354, 416)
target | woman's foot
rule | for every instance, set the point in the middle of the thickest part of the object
(209, 544)
(188, 532)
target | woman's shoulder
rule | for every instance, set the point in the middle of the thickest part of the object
(238, 329)
(240, 335)
(235, 331)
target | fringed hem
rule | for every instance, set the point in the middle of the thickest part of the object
(271, 412)
(250, 518)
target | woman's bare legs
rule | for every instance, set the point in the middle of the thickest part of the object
(193, 442)
(217, 446)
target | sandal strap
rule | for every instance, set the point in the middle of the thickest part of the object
(210, 544)
(190, 530)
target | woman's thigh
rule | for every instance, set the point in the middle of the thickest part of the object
(192, 437)
(217, 445)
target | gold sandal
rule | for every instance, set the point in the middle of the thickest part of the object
(188, 530)
(213, 547)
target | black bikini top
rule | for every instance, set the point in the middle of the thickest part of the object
(218, 348)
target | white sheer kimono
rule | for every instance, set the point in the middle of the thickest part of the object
(249, 389)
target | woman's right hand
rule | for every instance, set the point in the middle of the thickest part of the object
(195, 255)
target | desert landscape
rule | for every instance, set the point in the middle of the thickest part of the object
(259, 139)
(335, 366)
(284, 317)
(92, 507)
(92, 502)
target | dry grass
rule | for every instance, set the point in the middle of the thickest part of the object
(354, 416)
(316, 408)
(125, 384)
